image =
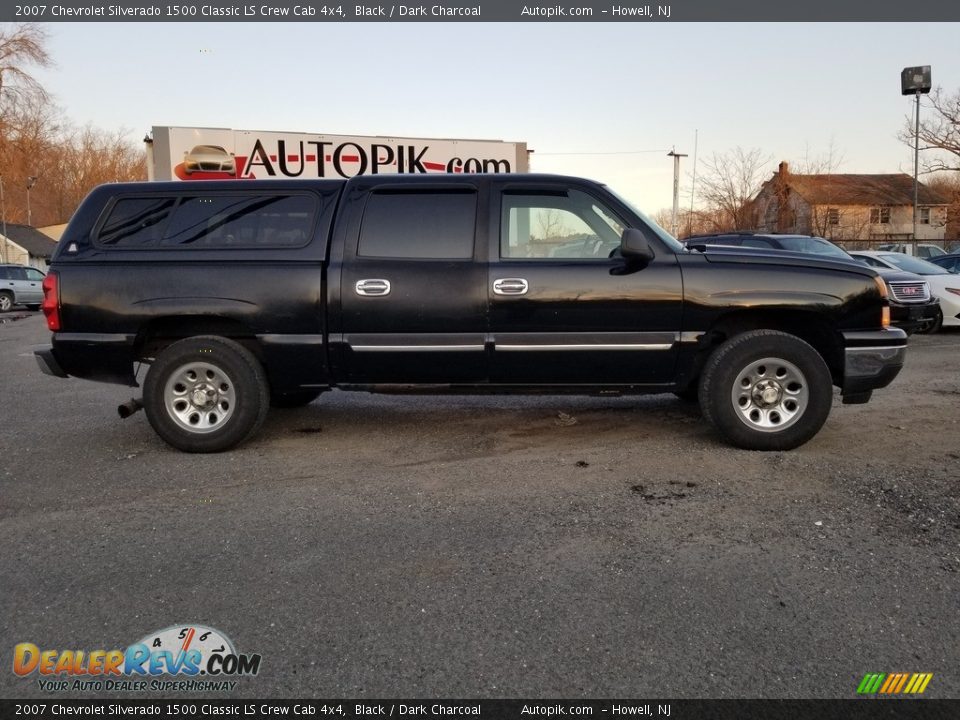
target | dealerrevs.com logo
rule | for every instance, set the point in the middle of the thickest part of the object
(198, 658)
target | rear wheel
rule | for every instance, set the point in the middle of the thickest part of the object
(206, 394)
(6, 302)
(766, 390)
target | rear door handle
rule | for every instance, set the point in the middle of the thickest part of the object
(375, 287)
(510, 286)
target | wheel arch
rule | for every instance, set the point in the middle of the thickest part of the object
(808, 325)
(159, 333)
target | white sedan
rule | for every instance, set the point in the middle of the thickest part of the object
(943, 284)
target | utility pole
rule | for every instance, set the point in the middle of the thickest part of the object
(676, 187)
(31, 181)
(3, 217)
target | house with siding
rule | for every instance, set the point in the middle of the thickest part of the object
(849, 207)
(25, 245)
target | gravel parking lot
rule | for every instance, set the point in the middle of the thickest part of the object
(384, 546)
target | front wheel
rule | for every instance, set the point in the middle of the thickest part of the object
(206, 394)
(933, 326)
(766, 390)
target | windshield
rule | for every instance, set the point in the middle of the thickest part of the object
(914, 265)
(818, 246)
(669, 240)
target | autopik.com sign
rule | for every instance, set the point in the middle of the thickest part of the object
(218, 153)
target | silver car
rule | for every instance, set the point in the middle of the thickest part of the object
(20, 285)
(208, 158)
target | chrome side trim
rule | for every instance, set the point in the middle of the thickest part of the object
(283, 339)
(883, 348)
(650, 346)
(417, 348)
(95, 338)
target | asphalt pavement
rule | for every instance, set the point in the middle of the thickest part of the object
(387, 546)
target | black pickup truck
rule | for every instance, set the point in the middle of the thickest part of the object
(239, 295)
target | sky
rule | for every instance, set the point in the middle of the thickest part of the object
(600, 100)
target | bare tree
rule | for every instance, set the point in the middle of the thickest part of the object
(939, 131)
(948, 185)
(727, 185)
(67, 162)
(663, 217)
(39, 149)
(551, 224)
(91, 157)
(21, 46)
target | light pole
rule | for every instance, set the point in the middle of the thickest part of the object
(31, 181)
(915, 81)
(676, 187)
(3, 217)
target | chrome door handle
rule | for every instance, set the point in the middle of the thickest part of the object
(374, 287)
(510, 286)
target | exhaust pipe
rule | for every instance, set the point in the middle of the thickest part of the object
(129, 407)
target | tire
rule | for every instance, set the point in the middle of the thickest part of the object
(6, 302)
(792, 375)
(932, 327)
(33, 308)
(206, 394)
(293, 399)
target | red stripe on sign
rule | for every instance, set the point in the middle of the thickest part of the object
(328, 158)
(293, 158)
(273, 158)
(435, 166)
(312, 158)
(350, 158)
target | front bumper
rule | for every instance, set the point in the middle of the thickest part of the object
(912, 317)
(872, 359)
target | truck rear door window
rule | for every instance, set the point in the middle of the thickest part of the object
(211, 221)
(424, 225)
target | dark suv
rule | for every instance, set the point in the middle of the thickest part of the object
(912, 306)
(20, 285)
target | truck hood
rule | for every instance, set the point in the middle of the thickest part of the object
(899, 276)
(758, 256)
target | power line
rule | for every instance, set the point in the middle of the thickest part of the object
(537, 153)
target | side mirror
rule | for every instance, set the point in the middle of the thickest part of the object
(634, 245)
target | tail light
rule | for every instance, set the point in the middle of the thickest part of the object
(51, 300)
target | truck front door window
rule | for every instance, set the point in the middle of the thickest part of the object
(569, 226)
